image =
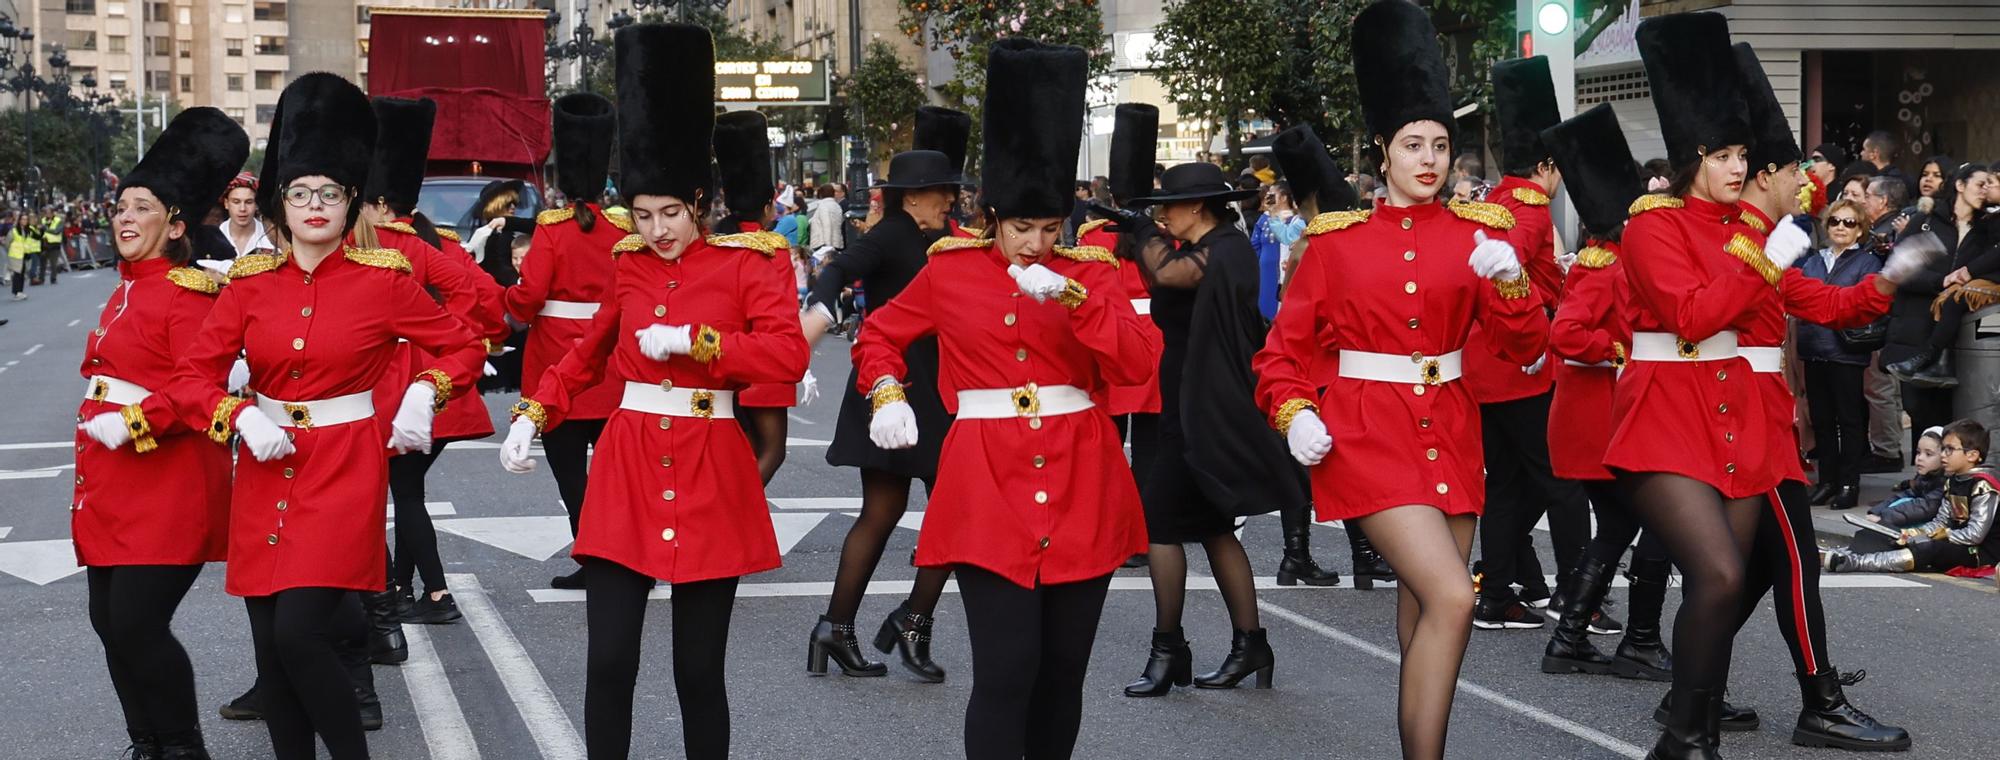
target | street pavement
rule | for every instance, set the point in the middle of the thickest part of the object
(507, 682)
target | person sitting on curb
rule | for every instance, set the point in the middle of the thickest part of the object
(1961, 534)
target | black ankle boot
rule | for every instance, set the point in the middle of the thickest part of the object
(1369, 566)
(909, 633)
(1170, 664)
(1249, 652)
(1690, 732)
(1728, 717)
(1821, 493)
(570, 582)
(1642, 653)
(1569, 650)
(145, 746)
(1906, 369)
(386, 644)
(836, 641)
(183, 745)
(1939, 374)
(1829, 721)
(1298, 566)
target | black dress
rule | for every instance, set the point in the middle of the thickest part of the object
(886, 260)
(1230, 462)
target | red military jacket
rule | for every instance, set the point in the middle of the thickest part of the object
(1393, 280)
(469, 294)
(1491, 378)
(1142, 397)
(163, 497)
(315, 518)
(564, 263)
(779, 259)
(1589, 328)
(1041, 501)
(679, 498)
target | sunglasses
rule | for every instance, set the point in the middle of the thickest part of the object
(1837, 222)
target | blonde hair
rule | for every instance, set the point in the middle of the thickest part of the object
(1860, 214)
(497, 205)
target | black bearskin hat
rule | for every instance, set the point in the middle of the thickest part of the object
(943, 130)
(402, 145)
(325, 126)
(1311, 170)
(1597, 168)
(1033, 129)
(1524, 99)
(1135, 141)
(189, 165)
(1772, 144)
(666, 110)
(584, 125)
(1696, 89)
(1400, 69)
(743, 159)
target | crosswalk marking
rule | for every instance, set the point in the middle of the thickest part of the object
(4, 530)
(791, 528)
(435, 508)
(819, 502)
(39, 562)
(438, 712)
(537, 538)
(547, 723)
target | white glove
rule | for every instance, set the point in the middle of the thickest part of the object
(239, 376)
(661, 341)
(808, 388)
(1494, 259)
(1787, 243)
(108, 429)
(1308, 438)
(411, 429)
(894, 426)
(1039, 282)
(488, 370)
(514, 453)
(1536, 368)
(265, 440)
(1566, 260)
(1913, 254)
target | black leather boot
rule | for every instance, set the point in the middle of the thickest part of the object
(1848, 497)
(1369, 566)
(386, 644)
(1169, 664)
(1642, 653)
(570, 582)
(1569, 650)
(1829, 721)
(836, 641)
(1821, 493)
(909, 633)
(1249, 652)
(1728, 717)
(1939, 374)
(145, 746)
(1298, 566)
(1690, 732)
(354, 657)
(1907, 369)
(244, 706)
(183, 745)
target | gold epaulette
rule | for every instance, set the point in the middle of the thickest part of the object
(1330, 221)
(193, 278)
(256, 263)
(621, 221)
(1749, 252)
(1531, 196)
(1090, 227)
(379, 257)
(629, 244)
(1651, 201)
(767, 243)
(449, 235)
(396, 227)
(555, 216)
(1595, 258)
(1752, 220)
(1095, 253)
(949, 244)
(975, 232)
(1490, 214)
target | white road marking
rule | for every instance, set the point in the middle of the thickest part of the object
(824, 588)
(913, 520)
(800, 420)
(537, 538)
(30, 474)
(36, 445)
(819, 502)
(446, 731)
(4, 530)
(435, 508)
(39, 562)
(792, 528)
(72, 323)
(32, 349)
(554, 735)
(12, 362)
(1524, 709)
(806, 443)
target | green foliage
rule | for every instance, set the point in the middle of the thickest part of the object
(883, 96)
(964, 29)
(1491, 25)
(1220, 60)
(69, 148)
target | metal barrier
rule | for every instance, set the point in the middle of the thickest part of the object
(90, 250)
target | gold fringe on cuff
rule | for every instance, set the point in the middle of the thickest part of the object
(1519, 287)
(142, 431)
(1073, 294)
(442, 382)
(222, 424)
(884, 396)
(1289, 410)
(707, 345)
(532, 410)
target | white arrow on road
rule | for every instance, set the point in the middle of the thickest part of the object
(792, 528)
(39, 562)
(4, 530)
(537, 538)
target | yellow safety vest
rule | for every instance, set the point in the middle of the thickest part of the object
(52, 230)
(21, 244)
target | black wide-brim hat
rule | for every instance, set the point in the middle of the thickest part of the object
(1311, 170)
(189, 165)
(743, 161)
(324, 125)
(1597, 168)
(1193, 182)
(1400, 69)
(913, 169)
(402, 145)
(1696, 88)
(493, 190)
(1524, 100)
(943, 130)
(585, 127)
(1772, 144)
(666, 110)
(1135, 143)
(1033, 128)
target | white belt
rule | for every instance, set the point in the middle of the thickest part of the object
(112, 390)
(1030, 400)
(1575, 363)
(1668, 347)
(1416, 369)
(667, 399)
(1142, 305)
(306, 415)
(1763, 358)
(568, 309)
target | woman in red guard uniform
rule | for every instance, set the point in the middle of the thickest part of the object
(317, 323)
(568, 269)
(1394, 441)
(743, 163)
(1034, 507)
(152, 496)
(675, 493)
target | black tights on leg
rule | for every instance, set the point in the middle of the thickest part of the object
(615, 602)
(303, 688)
(1708, 537)
(567, 447)
(1030, 650)
(132, 610)
(766, 428)
(885, 497)
(416, 539)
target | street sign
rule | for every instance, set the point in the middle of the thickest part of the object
(772, 83)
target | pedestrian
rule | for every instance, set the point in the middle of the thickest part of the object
(23, 245)
(824, 229)
(1034, 509)
(1275, 231)
(675, 493)
(564, 277)
(1959, 220)
(1961, 534)
(151, 504)
(743, 157)
(244, 230)
(1879, 151)
(1393, 441)
(1832, 372)
(917, 196)
(496, 227)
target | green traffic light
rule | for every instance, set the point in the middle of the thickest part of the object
(1552, 18)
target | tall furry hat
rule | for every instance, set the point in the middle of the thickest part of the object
(666, 110)
(743, 160)
(1524, 100)
(1696, 88)
(402, 145)
(585, 128)
(1311, 170)
(1597, 168)
(1033, 129)
(1400, 69)
(324, 125)
(1772, 144)
(943, 130)
(1135, 141)
(190, 165)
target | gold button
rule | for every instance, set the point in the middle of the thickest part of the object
(1040, 461)
(1442, 488)
(271, 539)
(673, 285)
(1722, 374)
(306, 312)
(1413, 323)
(1045, 542)
(79, 480)
(669, 495)
(667, 384)
(1009, 320)
(660, 311)
(1431, 454)
(1721, 408)
(1020, 354)
(1729, 468)
(667, 535)
(1409, 255)
(94, 361)
(666, 461)
(1728, 437)
(297, 374)
(1417, 389)
(79, 447)
(1410, 287)
(298, 344)
(1416, 357)
(288, 473)
(99, 331)
(1035, 424)
(1041, 497)
(1424, 423)
(666, 423)
(282, 505)
(1407, 222)
(309, 279)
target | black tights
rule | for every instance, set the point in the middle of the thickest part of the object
(301, 684)
(766, 428)
(1708, 537)
(615, 601)
(416, 539)
(884, 498)
(1167, 564)
(132, 609)
(1617, 526)
(568, 449)
(1142, 430)
(1786, 562)
(1030, 648)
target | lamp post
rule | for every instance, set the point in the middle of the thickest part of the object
(681, 7)
(18, 43)
(583, 45)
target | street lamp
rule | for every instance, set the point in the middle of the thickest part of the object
(583, 46)
(682, 6)
(18, 43)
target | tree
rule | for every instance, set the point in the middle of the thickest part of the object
(964, 29)
(1218, 61)
(884, 95)
(69, 148)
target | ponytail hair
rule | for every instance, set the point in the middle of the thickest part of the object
(585, 220)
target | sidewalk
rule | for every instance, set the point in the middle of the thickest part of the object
(1874, 488)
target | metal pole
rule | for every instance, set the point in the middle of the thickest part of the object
(857, 160)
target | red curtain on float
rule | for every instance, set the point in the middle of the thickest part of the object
(484, 71)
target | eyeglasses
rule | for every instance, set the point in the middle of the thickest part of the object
(298, 196)
(1838, 222)
(1952, 449)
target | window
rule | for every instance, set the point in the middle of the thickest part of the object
(158, 45)
(117, 82)
(82, 40)
(363, 15)
(158, 81)
(268, 45)
(232, 14)
(80, 7)
(266, 112)
(235, 82)
(265, 11)
(184, 15)
(270, 80)
(235, 113)
(115, 8)
(156, 11)
(114, 44)
(233, 48)
(187, 83)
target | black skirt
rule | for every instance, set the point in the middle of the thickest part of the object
(851, 446)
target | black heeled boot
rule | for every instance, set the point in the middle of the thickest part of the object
(836, 641)
(1170, 664)
(909, 633)
(1298, 566)
(1728, 717)
(1570, 650)
(1829, 721)
(183, 745)
(244, 706)
(1938, 374)
(354, 657)
(1369, 566)
(386, 644)
(145, 746)
(1249, 652)
(1642, 653)
(1690, 733)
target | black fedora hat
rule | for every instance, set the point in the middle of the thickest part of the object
(912, 169)
(1192, 182)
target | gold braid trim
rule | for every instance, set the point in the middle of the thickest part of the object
(1073, 294)
(1332, 221)
(1519, 287)
(630, 244)
(1530, 196)
(946, 244)
(1290, 410)
(1095, 253)
(1594, 257)
(973, 231)
(448, 235)
(440, 381)
(384, 258)
(707, 345)
(1806, 198)
(222, 424)
(193, 278)
(535, 413)
(1090, 227)
(555, 216)
(1618, 358)
(1976, 295)
(1752, 220)
(1652, 201)
(767, 243)
(620, 221)
(1490, 214)
(142, 431)
(254, 264)
(888, 393)
(1749, 252)
(396, 227)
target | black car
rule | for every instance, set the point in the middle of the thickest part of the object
(449, 201)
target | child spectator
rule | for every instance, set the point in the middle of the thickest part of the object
(1961, 534)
